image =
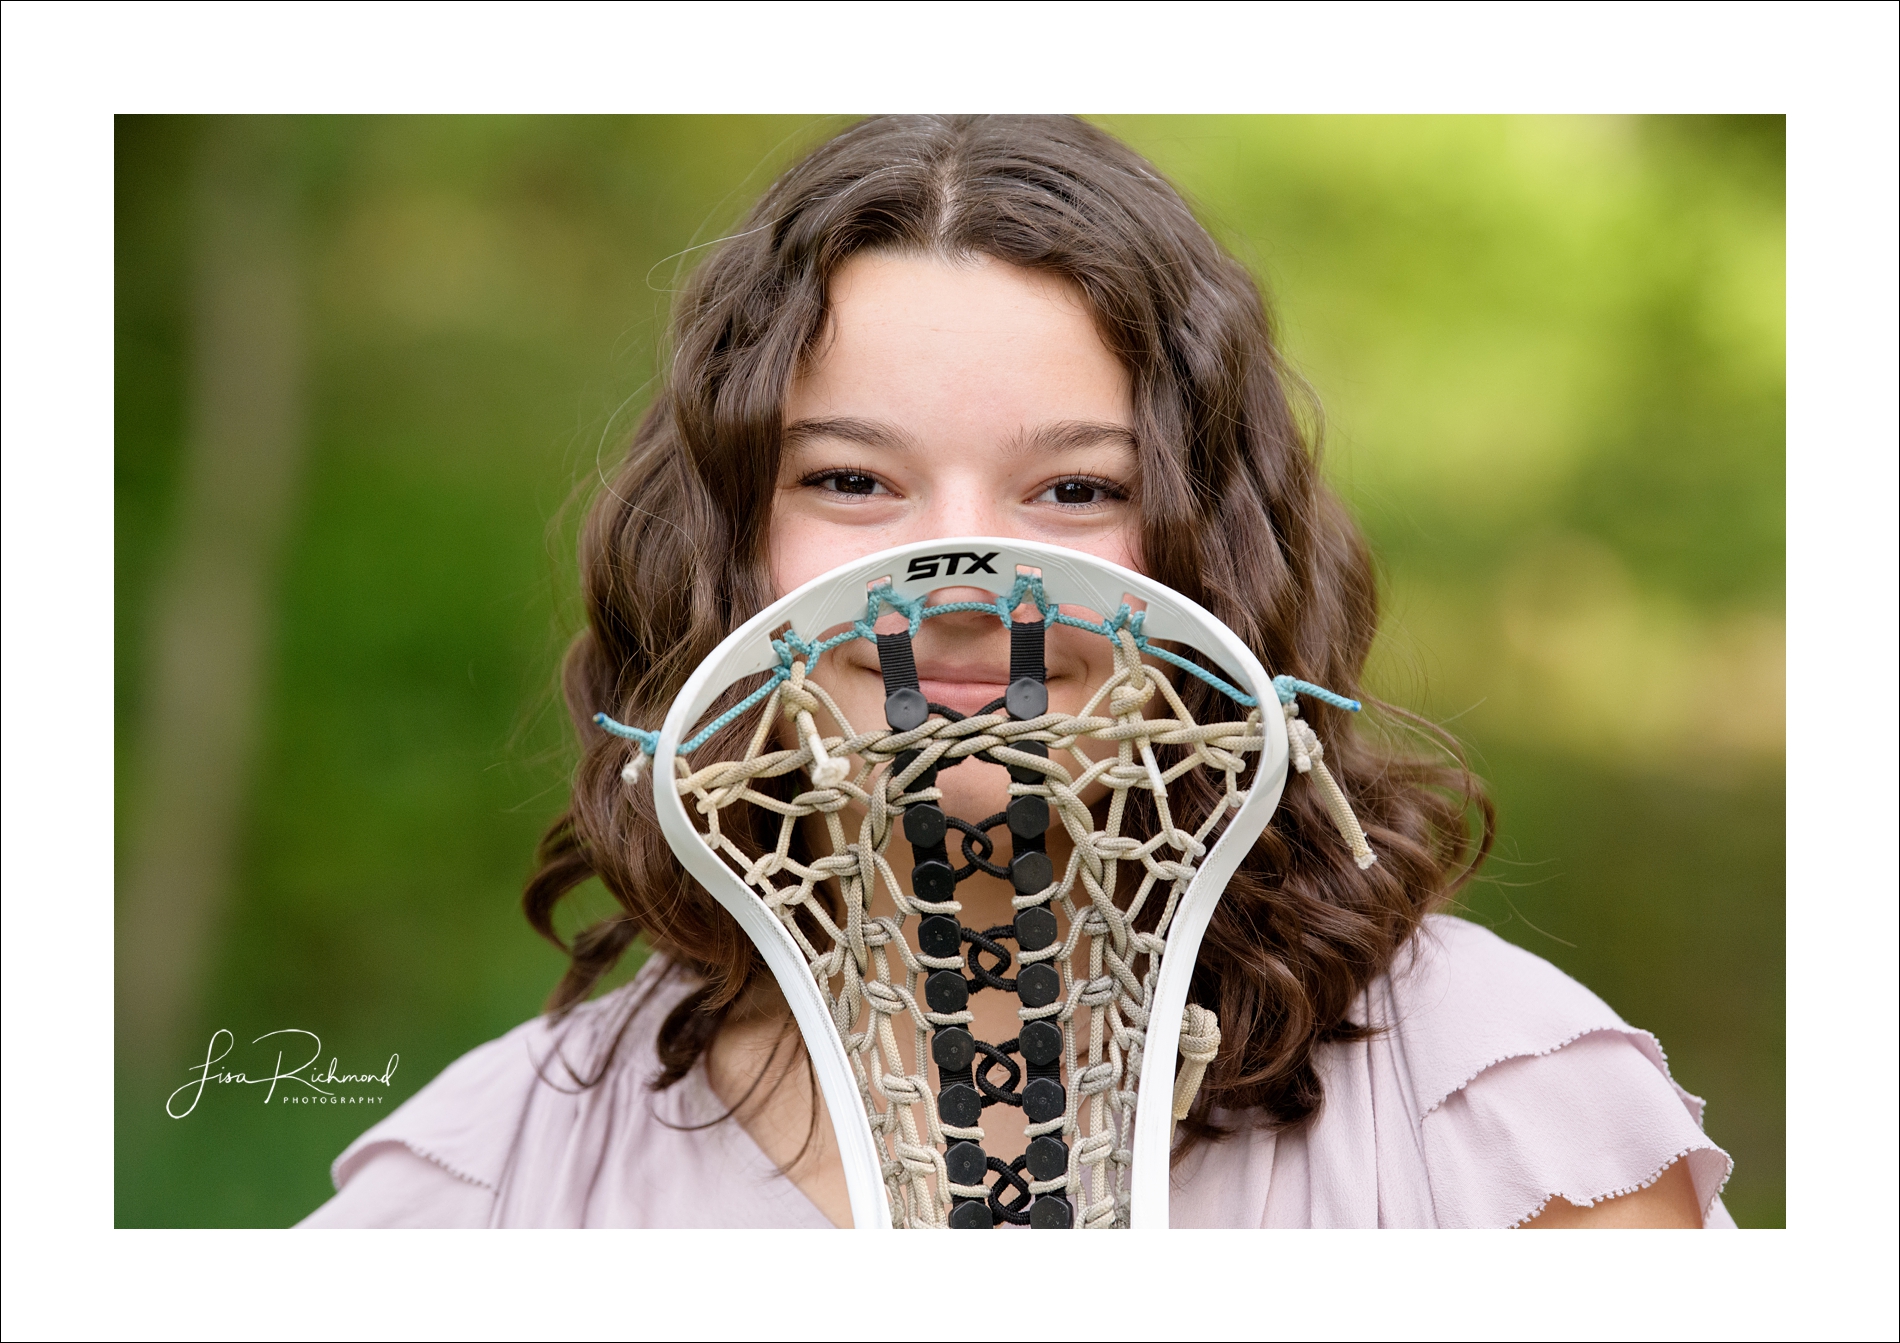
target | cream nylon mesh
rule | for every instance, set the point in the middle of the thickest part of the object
(869, 966)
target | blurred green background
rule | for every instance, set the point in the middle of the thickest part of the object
(1550, 354)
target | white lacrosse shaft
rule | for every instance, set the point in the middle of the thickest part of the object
(1071, 579)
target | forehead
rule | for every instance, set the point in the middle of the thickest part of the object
(975, 342)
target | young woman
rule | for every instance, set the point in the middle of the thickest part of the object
(938, 327)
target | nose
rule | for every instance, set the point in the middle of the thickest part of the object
(960, 503)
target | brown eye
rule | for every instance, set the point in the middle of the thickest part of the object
(849, 482)
(1081, 492)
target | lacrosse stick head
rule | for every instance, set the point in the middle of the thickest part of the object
(835, 843)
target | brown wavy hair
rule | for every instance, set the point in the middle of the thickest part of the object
(1233, 513)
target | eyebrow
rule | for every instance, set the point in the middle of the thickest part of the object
(1062, 435)
(870, 433)
(1067, 435)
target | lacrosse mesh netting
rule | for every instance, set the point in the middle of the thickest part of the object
(1087, 941)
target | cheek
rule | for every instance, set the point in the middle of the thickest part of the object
(801, 548)
(1080, 662)
(1118, 544)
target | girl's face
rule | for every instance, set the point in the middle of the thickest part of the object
(956, 398)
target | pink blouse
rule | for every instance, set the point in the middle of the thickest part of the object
(1495, 1084)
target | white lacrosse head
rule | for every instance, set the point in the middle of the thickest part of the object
(853, 981)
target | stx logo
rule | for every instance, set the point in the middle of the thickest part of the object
(925, 566)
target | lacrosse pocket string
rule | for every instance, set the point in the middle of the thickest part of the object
(1103, 898)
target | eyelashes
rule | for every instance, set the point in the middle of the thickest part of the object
(1071, 492)
(846, 480)
(1063, 492)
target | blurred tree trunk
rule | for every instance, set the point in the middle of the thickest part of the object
(213, 606)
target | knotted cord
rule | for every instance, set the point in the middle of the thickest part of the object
(874, 976)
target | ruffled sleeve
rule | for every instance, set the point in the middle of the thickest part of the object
(556, 1125)
(438, 1160)
(1594, 1120)
(460, 1121)
(389, 1187)
(1529, 1087)
(1491, 1083)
